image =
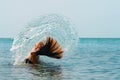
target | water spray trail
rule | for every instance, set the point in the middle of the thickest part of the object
(53, 25)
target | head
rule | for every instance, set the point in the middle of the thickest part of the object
(37, 47)
(50, 48)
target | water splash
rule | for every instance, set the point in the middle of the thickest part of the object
(53, 25)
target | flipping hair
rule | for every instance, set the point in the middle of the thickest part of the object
(50, 48)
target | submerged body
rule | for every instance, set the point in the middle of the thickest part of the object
(50, 47)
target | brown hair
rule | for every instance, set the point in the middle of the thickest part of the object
(50, 48)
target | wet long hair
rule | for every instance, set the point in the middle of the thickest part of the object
(50, 47)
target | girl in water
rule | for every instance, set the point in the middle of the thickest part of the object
(50, 47)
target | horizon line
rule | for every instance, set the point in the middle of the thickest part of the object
(78, 37)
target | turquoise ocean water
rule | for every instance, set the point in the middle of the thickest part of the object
(92, 59)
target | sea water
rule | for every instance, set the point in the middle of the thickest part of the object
(92, 59)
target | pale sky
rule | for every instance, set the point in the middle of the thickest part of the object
(92, 18)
